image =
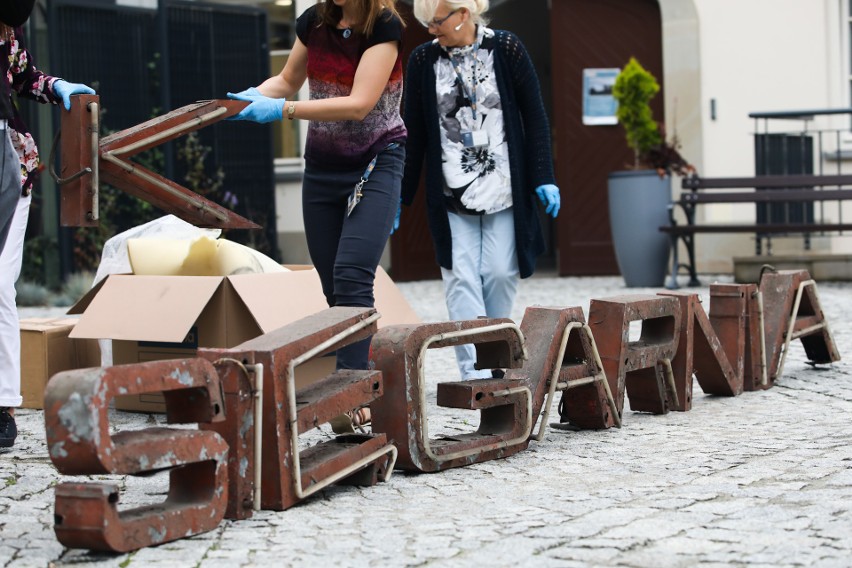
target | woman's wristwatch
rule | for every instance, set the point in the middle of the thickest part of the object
(291, 110)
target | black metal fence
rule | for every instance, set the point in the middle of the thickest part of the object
(784, 154)
(800, 142)
(144, 63)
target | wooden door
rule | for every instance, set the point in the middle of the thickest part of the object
(412, 253)
(594, 34)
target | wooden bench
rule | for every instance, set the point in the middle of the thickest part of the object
(800, 191)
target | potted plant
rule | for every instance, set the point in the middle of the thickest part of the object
(639, 197)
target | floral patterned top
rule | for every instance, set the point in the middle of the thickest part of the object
(477, 178)
(527, 135)
(22, 77)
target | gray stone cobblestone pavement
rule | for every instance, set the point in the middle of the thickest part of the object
(763, 479)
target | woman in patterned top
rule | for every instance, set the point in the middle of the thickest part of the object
(19, 164)
(474, 112)
(349, 51)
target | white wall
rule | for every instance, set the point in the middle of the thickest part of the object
(748, 55)
(757, 55)
(682, 78)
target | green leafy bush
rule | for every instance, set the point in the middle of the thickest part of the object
(31, 294)
(633, 90)
(74, 288)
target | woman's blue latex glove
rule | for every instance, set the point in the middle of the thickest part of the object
(549, 195)
(396, 219)
(64, 89)
(262, 108)
(250, 92)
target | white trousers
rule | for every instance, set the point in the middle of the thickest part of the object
(484, 277)
(10, 332)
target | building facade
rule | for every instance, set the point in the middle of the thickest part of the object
(717, 61)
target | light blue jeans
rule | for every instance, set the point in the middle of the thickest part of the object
(484, 277)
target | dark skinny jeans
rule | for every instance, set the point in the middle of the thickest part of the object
(346, 249)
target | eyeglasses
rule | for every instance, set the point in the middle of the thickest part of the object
(438, 22)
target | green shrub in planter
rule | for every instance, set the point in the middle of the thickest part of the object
(633, 90)
(638, 199)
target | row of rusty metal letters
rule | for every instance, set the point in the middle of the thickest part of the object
(244, 455)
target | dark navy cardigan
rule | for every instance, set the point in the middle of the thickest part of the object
(527, 134)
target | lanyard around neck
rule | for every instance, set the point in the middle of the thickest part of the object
(470, 93)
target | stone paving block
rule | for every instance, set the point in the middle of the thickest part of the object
(191, 556)
(7, 553)
(673, 552)
(584, 556)
(214, 562)
(553, 504)
(653, 528)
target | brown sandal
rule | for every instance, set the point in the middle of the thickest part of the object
(348, 422)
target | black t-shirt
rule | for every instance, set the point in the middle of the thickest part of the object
(385, 28)
(333, 58)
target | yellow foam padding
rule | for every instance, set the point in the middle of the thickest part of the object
(202, 256)
(234, 258)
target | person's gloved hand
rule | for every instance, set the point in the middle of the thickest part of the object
(250, 92)
(262, 108)
(64, 89)
(396, 219)
(549, 195)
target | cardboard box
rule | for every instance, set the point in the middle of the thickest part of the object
(46, 350)
(167, 317)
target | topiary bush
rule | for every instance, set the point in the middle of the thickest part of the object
(633, 90)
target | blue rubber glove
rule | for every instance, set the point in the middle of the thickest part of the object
(64, 89)
(549, 195)
(396, 219)
(250, 92)
(262, 108)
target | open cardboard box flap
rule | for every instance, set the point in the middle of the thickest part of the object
(167, 317)
(301, 290)
(279, 298)
(144, 308)
(390, 303)
(80, 306)
(164, 308)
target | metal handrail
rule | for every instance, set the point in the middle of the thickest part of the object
(799, 114)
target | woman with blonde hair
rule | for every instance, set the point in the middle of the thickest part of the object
(476, 122)
(349, 52)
